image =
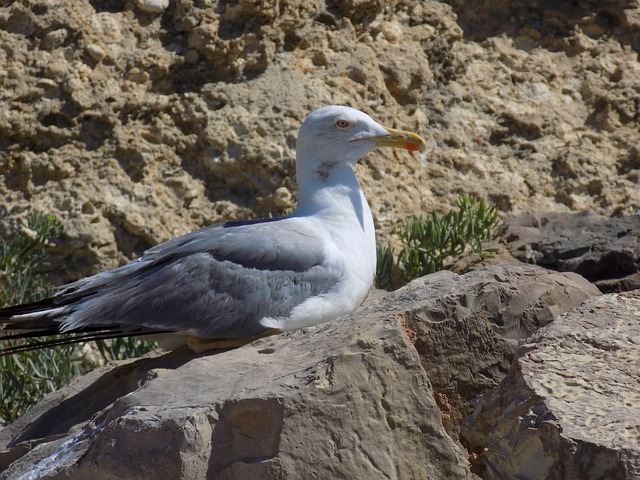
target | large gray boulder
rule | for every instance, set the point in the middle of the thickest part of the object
(348, 400)
(466, 328)
(570, 406)
(351, 399)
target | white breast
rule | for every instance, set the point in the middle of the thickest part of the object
(350, 249)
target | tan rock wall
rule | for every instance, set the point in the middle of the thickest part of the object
(135, 122)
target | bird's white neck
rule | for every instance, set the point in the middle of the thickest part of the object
(330, 188)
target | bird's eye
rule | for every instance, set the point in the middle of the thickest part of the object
(342, 123)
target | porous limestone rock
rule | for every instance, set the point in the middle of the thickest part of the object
(152, 6)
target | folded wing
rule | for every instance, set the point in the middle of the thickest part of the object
(217, 282)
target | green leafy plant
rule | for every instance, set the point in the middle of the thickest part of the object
(20, 258)
(26, 377)
(385, 268)
(434, 242)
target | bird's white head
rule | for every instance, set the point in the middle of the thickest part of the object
(340, 134)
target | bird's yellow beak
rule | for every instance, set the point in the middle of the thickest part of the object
(400, 139)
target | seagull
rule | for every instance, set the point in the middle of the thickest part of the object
(230, 283)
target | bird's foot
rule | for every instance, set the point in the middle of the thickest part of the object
(199, 344)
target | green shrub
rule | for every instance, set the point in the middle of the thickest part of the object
(385, 268)
(20, 258)
(27, 376)
(434, 242)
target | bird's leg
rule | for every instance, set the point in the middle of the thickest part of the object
(199, 345)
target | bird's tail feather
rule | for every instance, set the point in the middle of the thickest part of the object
(64, 339)
(38, 316)
(34, 307)
(29, 323)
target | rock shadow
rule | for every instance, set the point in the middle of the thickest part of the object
(111, 385)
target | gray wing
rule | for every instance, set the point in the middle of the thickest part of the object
(215, 282)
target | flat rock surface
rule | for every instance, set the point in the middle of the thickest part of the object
(570, 407)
